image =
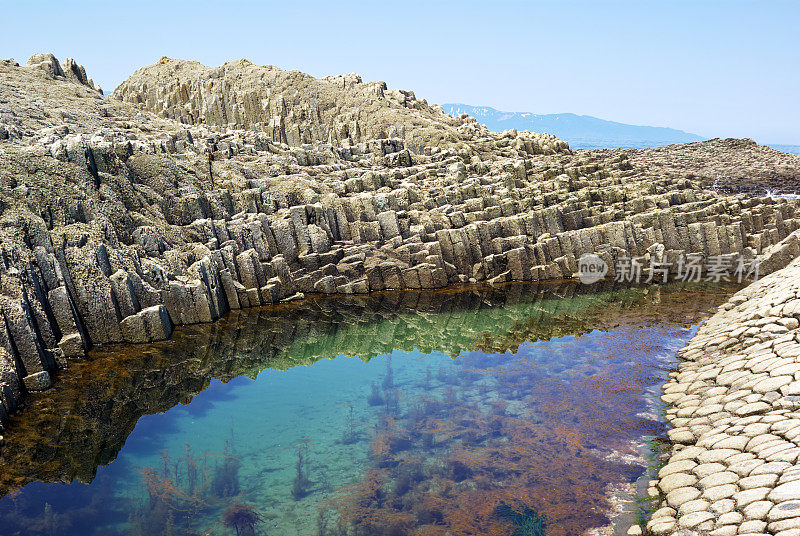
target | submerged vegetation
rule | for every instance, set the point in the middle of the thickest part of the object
(519, 448)
(375, 397)
(350, 434)
(526, 522)
(302, 483)
(510, 438)
(181, 492)
(226, 474)
(242, 517)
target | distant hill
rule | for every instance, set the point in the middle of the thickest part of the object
(581, 131)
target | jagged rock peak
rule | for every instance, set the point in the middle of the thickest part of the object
(68, 70)
(295, 108)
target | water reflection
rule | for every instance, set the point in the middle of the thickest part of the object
(413, 442)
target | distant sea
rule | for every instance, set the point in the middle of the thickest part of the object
(794, 149)
(593, 144)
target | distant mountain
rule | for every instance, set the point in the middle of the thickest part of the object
(581, 131)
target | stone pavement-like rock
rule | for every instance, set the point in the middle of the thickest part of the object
(734, 404)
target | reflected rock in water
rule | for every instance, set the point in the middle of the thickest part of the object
(65, 434)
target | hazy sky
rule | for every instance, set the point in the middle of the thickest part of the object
(715, 68)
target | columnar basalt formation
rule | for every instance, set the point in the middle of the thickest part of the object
(194, 191)
(734, 404)
(295, 108)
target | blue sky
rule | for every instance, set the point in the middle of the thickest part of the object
(715, 68)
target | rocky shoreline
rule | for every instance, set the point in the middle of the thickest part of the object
(193, 191)
(734, 404)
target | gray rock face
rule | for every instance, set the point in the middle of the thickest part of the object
(69, 70)
(47, 63)
(39, 381)
(151, 324)
(194, 191)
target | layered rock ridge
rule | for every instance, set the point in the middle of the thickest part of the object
(734, 404)
(175, 201)
(295, 108)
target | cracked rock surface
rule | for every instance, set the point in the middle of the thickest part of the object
(193, 191)
(734, 404)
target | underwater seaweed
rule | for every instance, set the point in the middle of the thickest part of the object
(226, 475)
(374, 398)
(391, 398)
(526, 521)
(242, 517)
(529, 457)
(388, 378)
(350, 434)
(302, 484)
(180, 495)
(192, 469)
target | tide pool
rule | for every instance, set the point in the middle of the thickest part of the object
(522, 410)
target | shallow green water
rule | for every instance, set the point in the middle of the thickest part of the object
(413, 413)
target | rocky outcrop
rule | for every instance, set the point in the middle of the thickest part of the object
(734, 404)
(295, 108)
(68, 70)
(118, 221)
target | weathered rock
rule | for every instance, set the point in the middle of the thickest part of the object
(750, 453)
(148, 325)
(196, 190)
(38, 381)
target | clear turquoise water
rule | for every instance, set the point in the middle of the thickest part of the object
(498, 415)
